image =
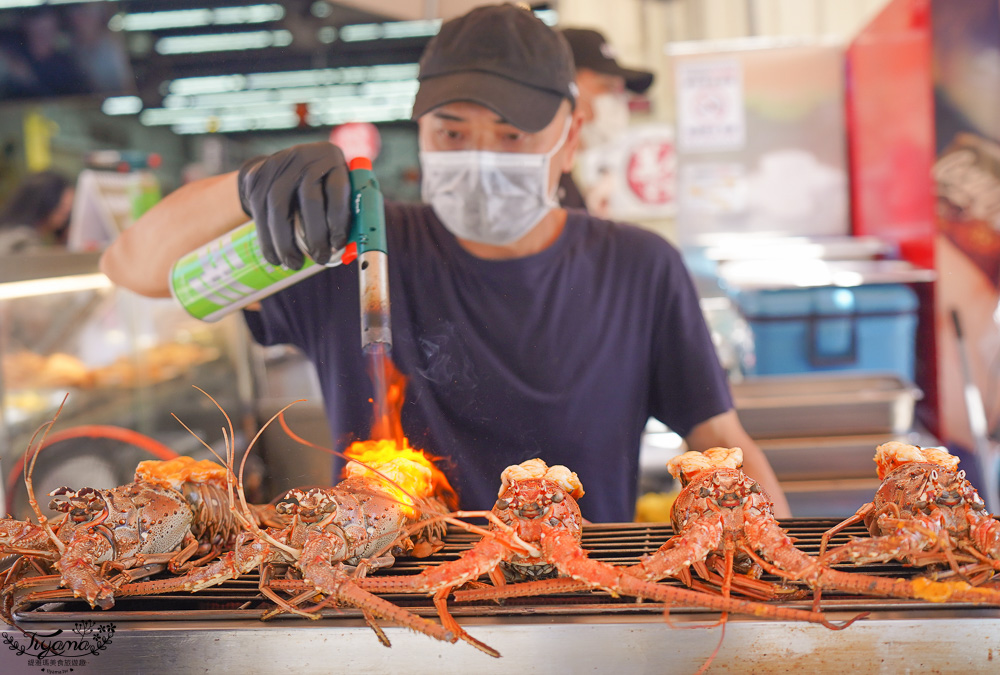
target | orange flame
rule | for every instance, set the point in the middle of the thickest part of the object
(413, 471)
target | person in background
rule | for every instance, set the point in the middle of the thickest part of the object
(526, 330)
(37, 214)
(98, 52)
(36, 60)
(602, 104)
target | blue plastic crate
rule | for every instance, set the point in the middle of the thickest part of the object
(806, 330)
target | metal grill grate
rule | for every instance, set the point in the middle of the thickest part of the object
(617, 544)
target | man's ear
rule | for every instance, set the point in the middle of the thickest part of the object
(572, 141)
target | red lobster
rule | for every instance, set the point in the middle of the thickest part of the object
(332, 537)
(924, 512)
(723, 511)
(537, 531)
(172, 511)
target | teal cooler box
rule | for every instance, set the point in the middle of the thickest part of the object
(831, 328)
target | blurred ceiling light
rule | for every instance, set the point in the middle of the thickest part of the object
(11, 4)
(206, 85)
(321, 9)
(223, 42)
(549, 17)
(189, 18)
(121, 105)
(279, 115)
(251, 109)
(362, 32)
(292, 78)
(317, 94)
(327, 35)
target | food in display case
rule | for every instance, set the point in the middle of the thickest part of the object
(108, 357)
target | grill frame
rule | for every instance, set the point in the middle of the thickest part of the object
(614, 543)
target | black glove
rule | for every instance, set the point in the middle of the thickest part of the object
(309, 180)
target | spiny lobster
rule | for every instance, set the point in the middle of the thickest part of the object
(924, 513)
(172, 511)
(723, 511)
(537, 531)
(135, 529)
(332, 537)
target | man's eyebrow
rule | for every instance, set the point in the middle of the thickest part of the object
(441, 115)
(446, 116)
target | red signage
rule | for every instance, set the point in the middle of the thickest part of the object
(357, 139)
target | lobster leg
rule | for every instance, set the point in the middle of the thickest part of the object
(484, 556)
(910, 537)
(703, 537)
(14, 579)
(80, 575)
(449, 622)
(245, 558)
(523, 589)
(269, 587)
(316, 568)
(985, 534)
(839, 527)
(573, 561)
(767, 537)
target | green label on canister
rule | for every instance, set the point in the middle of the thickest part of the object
(230, 273)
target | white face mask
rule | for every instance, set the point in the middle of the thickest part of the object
(610, 120)
(489, 197)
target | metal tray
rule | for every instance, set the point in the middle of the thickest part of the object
(828, 404)
(827, 457)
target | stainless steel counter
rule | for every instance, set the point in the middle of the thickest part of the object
(217, 630)
(888, 642)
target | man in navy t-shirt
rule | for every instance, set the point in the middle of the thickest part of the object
(524, 330)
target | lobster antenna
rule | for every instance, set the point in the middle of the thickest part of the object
(230, 443)
(246, 517)
(43, 521)
(239, 484)
(230, 449)
(228, 440)
(454, 517)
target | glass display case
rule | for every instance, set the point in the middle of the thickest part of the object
(99, 359)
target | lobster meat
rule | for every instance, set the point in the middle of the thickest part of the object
(536, 532)
(924, 513)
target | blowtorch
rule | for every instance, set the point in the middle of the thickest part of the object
(230, 273)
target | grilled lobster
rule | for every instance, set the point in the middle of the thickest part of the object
(332, 537)
(722, 511)
(537, 532)
(924, 513)
(172, 511)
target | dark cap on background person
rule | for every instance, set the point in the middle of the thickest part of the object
(502, 57)
(591, 50)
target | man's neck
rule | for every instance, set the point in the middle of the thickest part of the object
(539, 238)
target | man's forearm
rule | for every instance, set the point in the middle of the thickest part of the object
(141, 257)
(756, 466)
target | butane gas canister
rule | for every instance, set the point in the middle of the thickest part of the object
(230, 273)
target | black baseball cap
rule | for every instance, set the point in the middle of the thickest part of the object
(502, 57)
(591, 50)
